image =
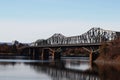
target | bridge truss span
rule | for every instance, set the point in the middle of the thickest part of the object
(94, 35)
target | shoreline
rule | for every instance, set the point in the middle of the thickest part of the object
(106, 62)
(101, 60)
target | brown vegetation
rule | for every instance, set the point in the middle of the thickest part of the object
(111, 50)
(75, 52)
(108, 71)
(6, 49)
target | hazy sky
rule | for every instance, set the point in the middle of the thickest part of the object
(29, 20)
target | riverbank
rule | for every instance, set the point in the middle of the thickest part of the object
(110, 52)
(108, 70)
(11, 49)
(101, 60)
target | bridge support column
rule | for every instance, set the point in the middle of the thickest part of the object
(90, 55)
(42, 53)
(29, 51)
(91, 59)
(33, 53)
(45, 54)
(53, 55)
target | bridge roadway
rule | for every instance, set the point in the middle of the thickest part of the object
(64, 45)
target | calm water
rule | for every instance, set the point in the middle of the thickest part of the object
(64, 69)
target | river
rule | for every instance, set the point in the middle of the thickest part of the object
(74, 68)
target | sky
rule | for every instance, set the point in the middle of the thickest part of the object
(29, 20)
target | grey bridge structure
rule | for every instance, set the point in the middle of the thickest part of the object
(93, 36)
(89, 41)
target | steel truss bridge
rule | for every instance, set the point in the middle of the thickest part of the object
(93, 36)
(89, 41)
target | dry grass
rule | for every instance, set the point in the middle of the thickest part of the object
(110, 52)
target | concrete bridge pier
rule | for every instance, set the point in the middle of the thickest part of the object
(90, 56)
(45, 54)
(29, 51)
(33, 53)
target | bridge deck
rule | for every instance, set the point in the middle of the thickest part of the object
(64, 45)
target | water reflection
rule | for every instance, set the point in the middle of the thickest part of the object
(65, 69)
(77, 65)
(59, 71)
